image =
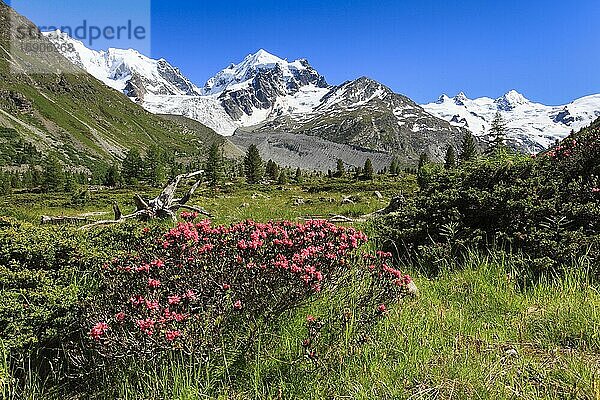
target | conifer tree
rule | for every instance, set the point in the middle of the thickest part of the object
(282, 179)
(5, 184)
(112, 178)
(214, 165)
(155, 166)
(498, 132)
(423, 160)
(340, 170)
(53, 175)
(132, 167)
(15, 180)
(394, 167)
(468, 150)
(369, 173)
(272, 170)
(450, 160)
(253, 165)
(298, 177)
(70, 183)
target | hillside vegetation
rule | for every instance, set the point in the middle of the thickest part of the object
(286, 310)
(75, 115)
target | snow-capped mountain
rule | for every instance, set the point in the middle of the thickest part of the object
(264, 85)
(531, 126)
(125, 70)
(369, 115)
(260, 88)
(267, 94)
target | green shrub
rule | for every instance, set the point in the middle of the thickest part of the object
(547, 207)
(47, 277)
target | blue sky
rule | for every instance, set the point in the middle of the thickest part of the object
(548, 50)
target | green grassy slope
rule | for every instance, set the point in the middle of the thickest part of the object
(73, 113)
(230, 150)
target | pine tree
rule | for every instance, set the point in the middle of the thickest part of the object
(340, 170)
(154, 162)
(272, 170)
(498, 132)
(468, 150)
(423, 160)
(15, 180)
(5, 185)
(368, 170)
(214, 165)
(450, 160)
(283, 177)
(53, 175)
(70, 183)
(298, 177)
(253, 165)
(132, 167)
(112, 178)
(394, 167)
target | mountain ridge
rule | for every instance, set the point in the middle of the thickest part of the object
(531, 126)
(264, 93)
(63, 109)
(264, 89)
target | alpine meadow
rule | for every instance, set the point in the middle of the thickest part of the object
(275, 234)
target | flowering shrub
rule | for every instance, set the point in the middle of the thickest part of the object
(188, 288)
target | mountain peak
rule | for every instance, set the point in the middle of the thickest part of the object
(126, 70)
(293, 74)
(460, 99)
(442, 99)
(510, 100)
(261, 58)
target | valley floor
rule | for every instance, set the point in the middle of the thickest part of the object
(472, 333)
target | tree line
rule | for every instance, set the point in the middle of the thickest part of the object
(157, 165)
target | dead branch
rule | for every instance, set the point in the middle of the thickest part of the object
(164, 206)
(61, 220)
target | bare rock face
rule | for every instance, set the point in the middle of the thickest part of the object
(259, 81)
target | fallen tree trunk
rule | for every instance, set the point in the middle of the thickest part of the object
(164, 206)
(61, 220)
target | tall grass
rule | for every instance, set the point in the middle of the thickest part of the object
(472, 333)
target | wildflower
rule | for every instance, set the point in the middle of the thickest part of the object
(146, 325)
(175, 299)
(136, 300)
(190, 295)
(120, 316)
(98, 330)
(153, 283)
(143, 268)
(237, 305)
(381, 308)
(172, 335)
(226, 286)
(152, 305)
(310, 319)
(595, 190)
